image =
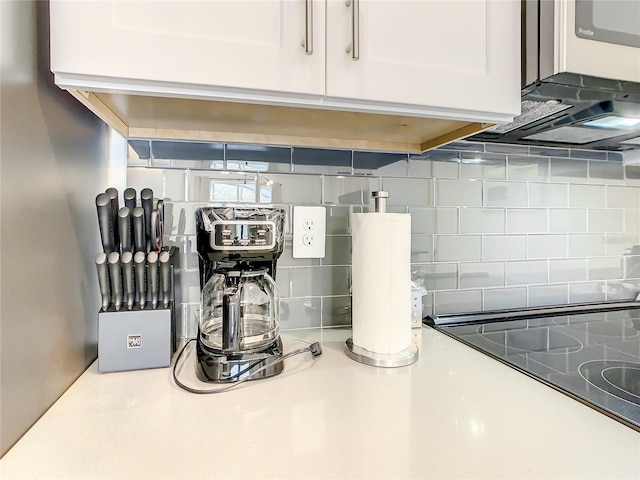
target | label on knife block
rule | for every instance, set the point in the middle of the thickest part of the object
(135, 339)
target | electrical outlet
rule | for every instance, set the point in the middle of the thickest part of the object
(309, 229)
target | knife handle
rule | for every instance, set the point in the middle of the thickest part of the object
(105, 222)
(146, 198)
(139, 269)
(113, 197)
(165, 278)
(124, 224)
(103, 280)
(114, 273)
(152, 266)
(139, 237)
(127, 278)
(130, 198)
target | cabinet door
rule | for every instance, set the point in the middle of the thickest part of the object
(451, 54)
(227, 44)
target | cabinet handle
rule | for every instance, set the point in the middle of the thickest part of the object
(307, 43)
(354, 47)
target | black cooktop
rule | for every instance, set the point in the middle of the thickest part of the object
(590, 352)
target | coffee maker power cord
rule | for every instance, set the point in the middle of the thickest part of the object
(315, 349)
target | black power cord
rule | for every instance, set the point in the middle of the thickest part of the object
(315, 349)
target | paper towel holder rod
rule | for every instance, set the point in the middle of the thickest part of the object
(380, 200)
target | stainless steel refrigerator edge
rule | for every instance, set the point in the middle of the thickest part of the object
(53, 161)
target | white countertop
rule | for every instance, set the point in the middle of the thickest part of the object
(455, 413)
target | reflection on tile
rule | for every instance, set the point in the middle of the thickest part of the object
(548, 295)
(606, 172)
(339, 159)
(174, 183)
(475, 275)
(527, 273)
(625, 290)
(587, 292)
(345, 190)
(190, 286)
(337, 220)
(548, 195)
(520, 220)
(433, 220)
(283, 281)
(179, 150)
(387, 164)
(588, 154)
(504, 298)
(408, 191)
(548, 151)
(632, 174)
(586, 245)
(547, 246)
(141, 177)
(421, 248)
(300, 313)
(336, 311)
(338, 251)
(561, 271)
(179, 218)
(605, 268)
(623, 197)
(484, 168)
(319, 281)
(420, 168)
(528, 168)
(506, 148)
(565, 170)
(587, 196)
(504, 247)
(464, 193)
(505, 194)
(482, 220)
(296, 189)
(461, 301)
(466, 146)
(621, 243)
(446, 169)
(567, 221)
(439, 154)
(631, 220)
(457, 248)
(258, 158)
(606, 220)
(437, 276)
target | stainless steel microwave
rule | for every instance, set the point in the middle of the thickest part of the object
(609, 21)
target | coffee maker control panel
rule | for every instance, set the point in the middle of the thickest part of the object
(243, 235)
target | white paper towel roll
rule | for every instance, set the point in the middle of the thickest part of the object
(381, 281)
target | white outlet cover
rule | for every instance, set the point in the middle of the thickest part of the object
(309, 230)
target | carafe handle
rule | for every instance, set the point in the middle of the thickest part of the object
(231, 319)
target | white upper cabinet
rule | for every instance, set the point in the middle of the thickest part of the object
(233, 44)
(401, 75)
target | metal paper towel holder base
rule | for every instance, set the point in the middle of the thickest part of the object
(387, 360)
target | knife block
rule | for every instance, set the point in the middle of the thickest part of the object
(137, 339)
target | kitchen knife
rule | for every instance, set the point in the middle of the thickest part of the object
(130, 198)
(113, 197)
(124, 226)
(116, 286)
(127, 278)
(152, 266)
(103, 205)
(165, 278)
(103, 280)
(139, 238)
(146, 197)
(141, 291)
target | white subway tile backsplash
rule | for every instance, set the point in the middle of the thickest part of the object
(548, 195)
(520, 220)
(567, 221)
(464, 193)
(487, 274)
(482, 220)
(505, 194)
(587, 196)
(588, 245)
(527, 273)
(547, 246)
(491, 227)
(548, 295)
(503, 298)
(434, 220)
(457, 248)
(504, 247)
(606, 220)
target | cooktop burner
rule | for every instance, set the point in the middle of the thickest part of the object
(590, 352)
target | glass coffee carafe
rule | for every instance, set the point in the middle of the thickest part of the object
(239, 311)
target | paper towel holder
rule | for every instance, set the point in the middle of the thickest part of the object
(380, 200)
(388, 360)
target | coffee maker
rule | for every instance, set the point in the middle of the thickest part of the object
(238, 328)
